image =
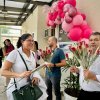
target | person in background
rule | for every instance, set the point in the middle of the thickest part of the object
(53, 69)
(1, 56)
(14, 67)
(8, 47)
(37, 53)
(91, 89)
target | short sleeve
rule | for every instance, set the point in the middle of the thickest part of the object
(61, 54)
(12, 56)
(35, 74)
(98, 77)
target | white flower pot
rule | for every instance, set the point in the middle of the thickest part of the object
(68, 97)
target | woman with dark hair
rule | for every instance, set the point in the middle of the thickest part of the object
(36, 53)
(14, 67)
(8, 47)
(19, 43)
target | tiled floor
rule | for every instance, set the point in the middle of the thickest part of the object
(2, 88)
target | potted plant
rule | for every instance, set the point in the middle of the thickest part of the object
(71, 83)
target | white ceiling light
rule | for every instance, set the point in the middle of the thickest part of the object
(43, 0)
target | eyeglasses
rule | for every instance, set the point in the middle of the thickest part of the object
(29, 40)
(94, 40)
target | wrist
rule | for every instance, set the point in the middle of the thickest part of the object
(17, 75)
(55, 65)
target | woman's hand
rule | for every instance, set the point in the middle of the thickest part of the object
(25, 74)
(35, 80)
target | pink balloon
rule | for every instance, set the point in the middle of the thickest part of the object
(61, 13)
(85, 40)
(66, 27)
(67, 18)
(57, 21)
(84, 16)
(47, 20)
(51, 23)
(47, 23)
(87, 33)
(65, 0)
(84, 23)
(62, 19)
(66, 7)
(77, 20)
(53, 26)
(50, 15)
(54, 5)
(72, 2)
(84, 27)
(72, 12)
(52, 10)
(75, 34)
(60, 5)
(55, 15)
(78, 13)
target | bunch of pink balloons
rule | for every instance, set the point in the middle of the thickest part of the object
(73, 22)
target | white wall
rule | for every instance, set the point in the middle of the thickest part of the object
(41, 28)
(35, 23)
(92, 10)
(30, 25)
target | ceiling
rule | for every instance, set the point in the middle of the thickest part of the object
(15, 12)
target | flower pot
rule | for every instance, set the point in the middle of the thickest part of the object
(69, 97)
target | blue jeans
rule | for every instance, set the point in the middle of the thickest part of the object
(54, 82)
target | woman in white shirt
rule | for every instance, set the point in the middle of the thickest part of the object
(90, 90)
(14, 67)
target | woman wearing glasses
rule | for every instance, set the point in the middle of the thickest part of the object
(15, 68)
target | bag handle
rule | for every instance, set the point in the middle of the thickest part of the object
(15, 83)
(23, 61)
(25, 66)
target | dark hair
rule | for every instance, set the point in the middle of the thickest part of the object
(95, 33)
(5, 46)
(22, 38)
(8, 41)
(36, 45)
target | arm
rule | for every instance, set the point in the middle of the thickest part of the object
(62, 63)
(8, 64)
(6, 71)
(62, 60)
(4, 52)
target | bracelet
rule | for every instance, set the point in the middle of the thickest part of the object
(54, 65)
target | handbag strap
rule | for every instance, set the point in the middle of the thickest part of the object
(15, 83)
(25, 66)
(23, 61)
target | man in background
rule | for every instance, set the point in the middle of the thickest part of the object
(53, 70)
